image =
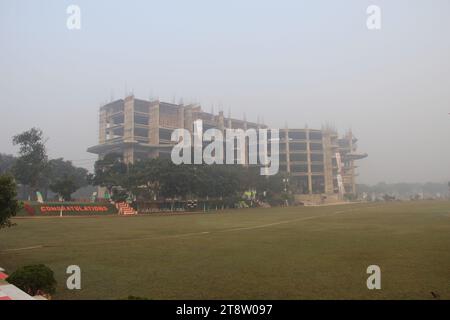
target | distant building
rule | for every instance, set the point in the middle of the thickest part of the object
(319, 163)
(140, 129)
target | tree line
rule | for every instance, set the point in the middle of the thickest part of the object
(34, 171)
(151, 179)
(161, 179)
(406, 189)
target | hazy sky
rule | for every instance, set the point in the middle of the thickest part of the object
(298, 62)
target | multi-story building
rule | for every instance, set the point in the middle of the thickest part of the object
(139, 129)
(317, 161)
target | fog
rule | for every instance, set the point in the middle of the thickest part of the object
(288, 62)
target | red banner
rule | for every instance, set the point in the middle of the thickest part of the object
(73, 208)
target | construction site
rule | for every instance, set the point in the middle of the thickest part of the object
(319, 163)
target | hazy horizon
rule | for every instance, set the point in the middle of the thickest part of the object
(293, 62)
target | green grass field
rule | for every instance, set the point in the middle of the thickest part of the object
(277, 253)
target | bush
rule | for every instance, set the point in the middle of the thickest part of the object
(350, 197)
(8, 203)
(34, 280)
(276, 200)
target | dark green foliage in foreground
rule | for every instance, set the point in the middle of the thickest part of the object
(34, 279)
(8, 203)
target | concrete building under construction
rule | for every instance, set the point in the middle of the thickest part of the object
(140, 129)
(319, 163)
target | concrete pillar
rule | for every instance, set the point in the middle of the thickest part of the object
(154, 122)
(128, 130)
(327, 162)
(102, 126)
(308, 151)
(180, 116)
(352, 164)
(288, 158)
(221, 121)
(128, 154)
(188, 118)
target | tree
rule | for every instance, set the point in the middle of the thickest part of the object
(34, 279)
(111, 172)
(144, 178)
(64, 187)
(64, 178)
(32, 162)
(161, 178)
(8, 203)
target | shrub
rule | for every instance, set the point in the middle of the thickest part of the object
(8, 203)
(34, 280)
(350, 197)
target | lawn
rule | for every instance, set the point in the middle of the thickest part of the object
(274, 253)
